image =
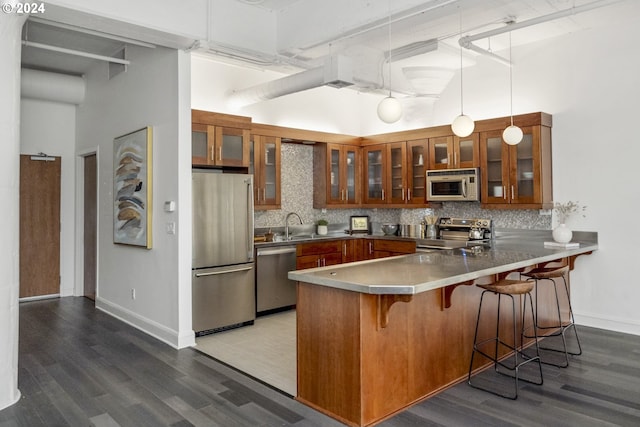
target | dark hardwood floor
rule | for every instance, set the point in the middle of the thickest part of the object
(81, 367)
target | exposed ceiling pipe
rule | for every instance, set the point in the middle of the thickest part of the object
(467, 41)
(75, 52)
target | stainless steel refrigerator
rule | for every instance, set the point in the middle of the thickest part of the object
(223, 276)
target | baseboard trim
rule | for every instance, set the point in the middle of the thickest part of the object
(150, 327)
(612, 324)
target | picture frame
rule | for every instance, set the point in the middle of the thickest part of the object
(132, 188)
(359, 224)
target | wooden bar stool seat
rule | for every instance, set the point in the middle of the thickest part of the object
(560, 326)
(508, 358)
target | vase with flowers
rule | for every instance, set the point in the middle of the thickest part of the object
(562, 233)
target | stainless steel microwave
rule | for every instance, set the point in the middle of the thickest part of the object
(446, 185)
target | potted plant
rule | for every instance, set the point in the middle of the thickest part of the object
(323, 226)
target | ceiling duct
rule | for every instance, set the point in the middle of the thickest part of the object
(36, 84)
(336, 72)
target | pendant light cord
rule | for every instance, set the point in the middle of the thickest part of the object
(389, 41)
(510, 79)
(461, 96)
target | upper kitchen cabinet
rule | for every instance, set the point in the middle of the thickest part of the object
(417, 160)
(395, 173)
(219, 139)
(453, 152)
(408, 166)
(264, 164)
(517, 176)
(337, 176)
(377, 178)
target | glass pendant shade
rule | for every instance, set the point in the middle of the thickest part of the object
(389, 110)
(512, 135)
(462, 126)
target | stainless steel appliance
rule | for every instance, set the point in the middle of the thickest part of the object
(467, 229)
(223, 276)
(459, 233)
(274, 291)
(445, 185)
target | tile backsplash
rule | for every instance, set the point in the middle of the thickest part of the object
(297, 196)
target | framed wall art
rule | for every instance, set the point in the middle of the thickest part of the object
(132, 188)
(359, 224)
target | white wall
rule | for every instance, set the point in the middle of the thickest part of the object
(148, 94)
(10, 31)
(586, 80)
(50, 127)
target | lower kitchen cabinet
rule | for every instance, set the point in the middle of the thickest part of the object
(318, 254)
(382, 248)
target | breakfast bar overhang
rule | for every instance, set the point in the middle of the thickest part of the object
(375, 337)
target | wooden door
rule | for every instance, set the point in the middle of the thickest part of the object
(90, 226)
(39, 227)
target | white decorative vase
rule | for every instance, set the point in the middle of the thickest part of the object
(562, 234)
(322, 230)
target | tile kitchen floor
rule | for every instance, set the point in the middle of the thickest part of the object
(265, 350)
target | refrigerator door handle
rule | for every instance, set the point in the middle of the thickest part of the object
(250, 219)
(214, 273)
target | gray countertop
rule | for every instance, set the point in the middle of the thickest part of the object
(425, 271)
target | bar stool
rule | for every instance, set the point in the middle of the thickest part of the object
(508, 288)
(551, 274)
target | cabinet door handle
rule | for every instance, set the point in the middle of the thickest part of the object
(504, 192)
(383, 194)
(408, 194)
(513, 194)
(220, 153)
(370, 248)
(403, 194)
(213, 153)
(455, 159)
(344, 249)
(318, 262)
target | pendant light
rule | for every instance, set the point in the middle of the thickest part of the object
(389, 109)
(462, 125)
(512, 135)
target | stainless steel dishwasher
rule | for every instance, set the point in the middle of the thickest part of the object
(274, 291)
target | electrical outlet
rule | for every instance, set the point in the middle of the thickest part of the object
(133, 293)
(171, 227)
(545, 212)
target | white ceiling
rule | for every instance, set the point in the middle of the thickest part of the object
(308, 31)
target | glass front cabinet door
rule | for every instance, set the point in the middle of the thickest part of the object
(397, 163)
(343, 174)
(513, 174)
(417, 159)
(219, 145)
(265, 167)
(376, 176)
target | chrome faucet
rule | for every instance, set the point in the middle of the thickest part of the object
(286, 224)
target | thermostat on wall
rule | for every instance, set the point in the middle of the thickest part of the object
(169, 206)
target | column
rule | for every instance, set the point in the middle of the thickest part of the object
(10, 46)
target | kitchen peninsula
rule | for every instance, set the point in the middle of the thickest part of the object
(375, 337)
